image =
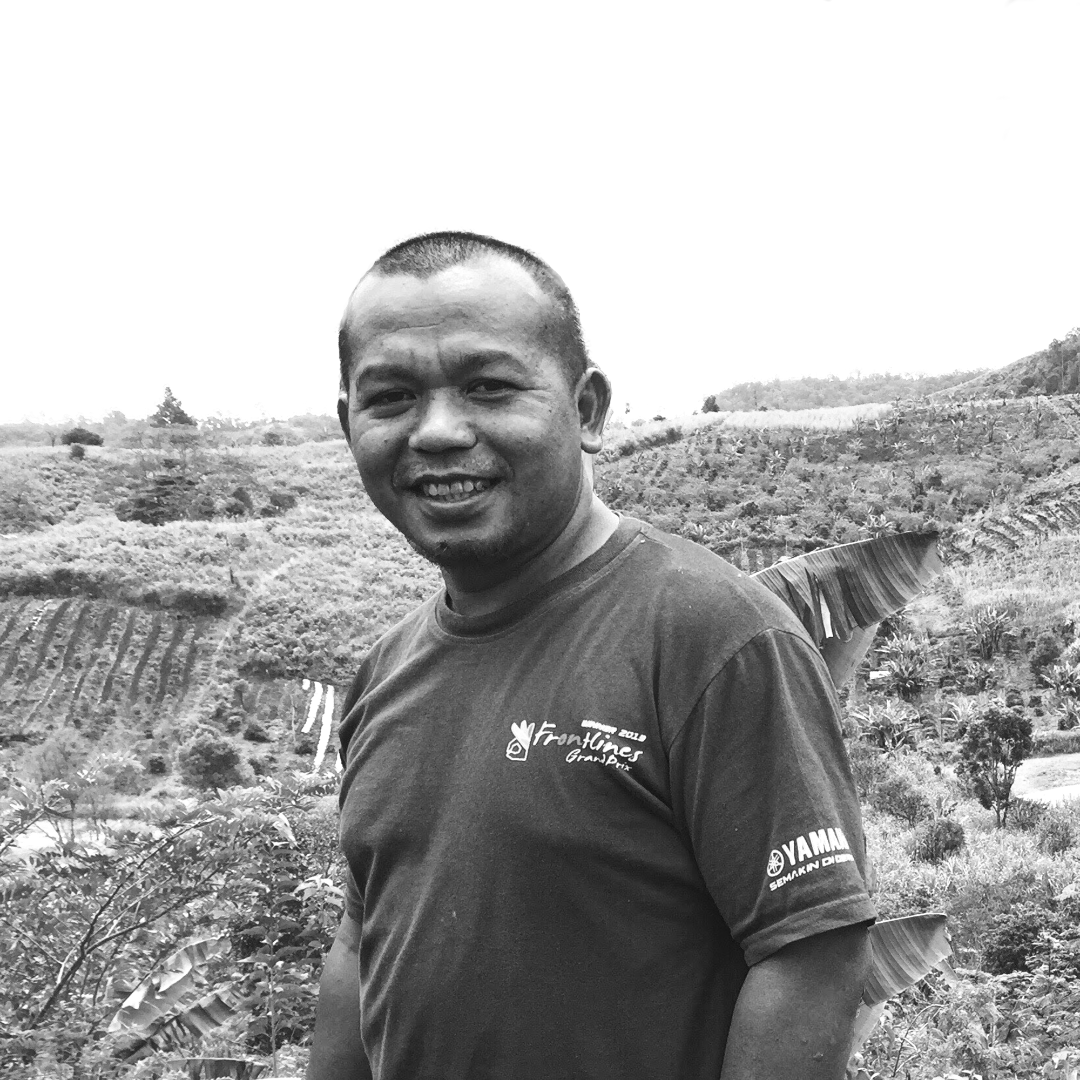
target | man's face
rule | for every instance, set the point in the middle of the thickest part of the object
(463, 425)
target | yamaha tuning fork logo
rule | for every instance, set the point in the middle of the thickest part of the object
(805, 854)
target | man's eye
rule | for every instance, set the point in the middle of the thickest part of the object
(387, 397)
(489, 386)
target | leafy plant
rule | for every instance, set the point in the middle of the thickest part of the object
(1064, 680)
(1013, 939)
(1056, 833)
(890, 727)
(992, 749)
(974, 676)
(900, 796)
(990, 627)
(937, 839)
(1025, 814)
(906, 658)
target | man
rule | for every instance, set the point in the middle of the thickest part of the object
(596, 810)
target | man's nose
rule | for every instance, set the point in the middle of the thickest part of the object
(441, 425)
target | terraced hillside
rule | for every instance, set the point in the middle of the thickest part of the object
(79, 663)
(142, 634)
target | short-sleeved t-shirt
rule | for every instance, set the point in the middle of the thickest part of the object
(573, 824)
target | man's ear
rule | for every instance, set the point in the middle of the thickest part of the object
(593, 402)
(343, 410)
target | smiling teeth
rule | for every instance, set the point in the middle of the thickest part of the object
(458, 489)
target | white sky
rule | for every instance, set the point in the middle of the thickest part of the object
(731, 191)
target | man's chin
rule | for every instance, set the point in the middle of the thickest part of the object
(464, 554)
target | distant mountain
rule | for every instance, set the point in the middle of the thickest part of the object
(1053, 370)
(815, 393)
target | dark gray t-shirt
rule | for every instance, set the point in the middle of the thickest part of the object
(571, 825)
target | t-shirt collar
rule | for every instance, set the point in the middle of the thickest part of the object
(459, 625)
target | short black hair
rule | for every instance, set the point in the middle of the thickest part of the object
(429, 254)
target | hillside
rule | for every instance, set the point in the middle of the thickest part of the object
(1053, 370)
(810, 392)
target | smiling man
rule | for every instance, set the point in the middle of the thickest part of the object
(596, 810)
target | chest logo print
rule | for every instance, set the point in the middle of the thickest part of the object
(600, 745)
(518, 747)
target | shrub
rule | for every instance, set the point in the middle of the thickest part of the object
(1056, 833)
(157, 765)
(210, 761)
(900, 796)
(975, 676)
(282, 500)
(868, 766)
(991, 750)
(1047, 649)
(1013, 939)
(77, 451)
(81, 436)
(1026, 814)
(255, 730)
(937, 839)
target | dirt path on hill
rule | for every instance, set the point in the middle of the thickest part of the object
(1054, 779)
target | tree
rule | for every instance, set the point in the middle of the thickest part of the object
(992, 750)
(170, 413)
(79, 435)
(709, 404)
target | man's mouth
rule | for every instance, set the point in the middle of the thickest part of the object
(455, 490)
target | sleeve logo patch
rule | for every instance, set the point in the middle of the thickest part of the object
(805, 854)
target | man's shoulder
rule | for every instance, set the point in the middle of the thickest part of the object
(399, 641)
(700, 589)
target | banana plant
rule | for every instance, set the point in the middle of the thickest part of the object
(170, 1002)
(841, 594)
(905, 950)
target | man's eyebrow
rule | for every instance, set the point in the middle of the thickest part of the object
(462, 364)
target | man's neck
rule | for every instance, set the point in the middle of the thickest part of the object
(589, 528)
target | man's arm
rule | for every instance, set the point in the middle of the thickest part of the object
(796, 1011)
(337, 1052)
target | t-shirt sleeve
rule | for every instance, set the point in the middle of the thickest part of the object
(762, 786)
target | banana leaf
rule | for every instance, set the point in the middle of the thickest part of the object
(905, 951)
(174, 1030)
(167, 985)
(206, 1068)
(840, 594)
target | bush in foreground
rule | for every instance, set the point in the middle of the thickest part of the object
(938, 839)
(210, 761)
